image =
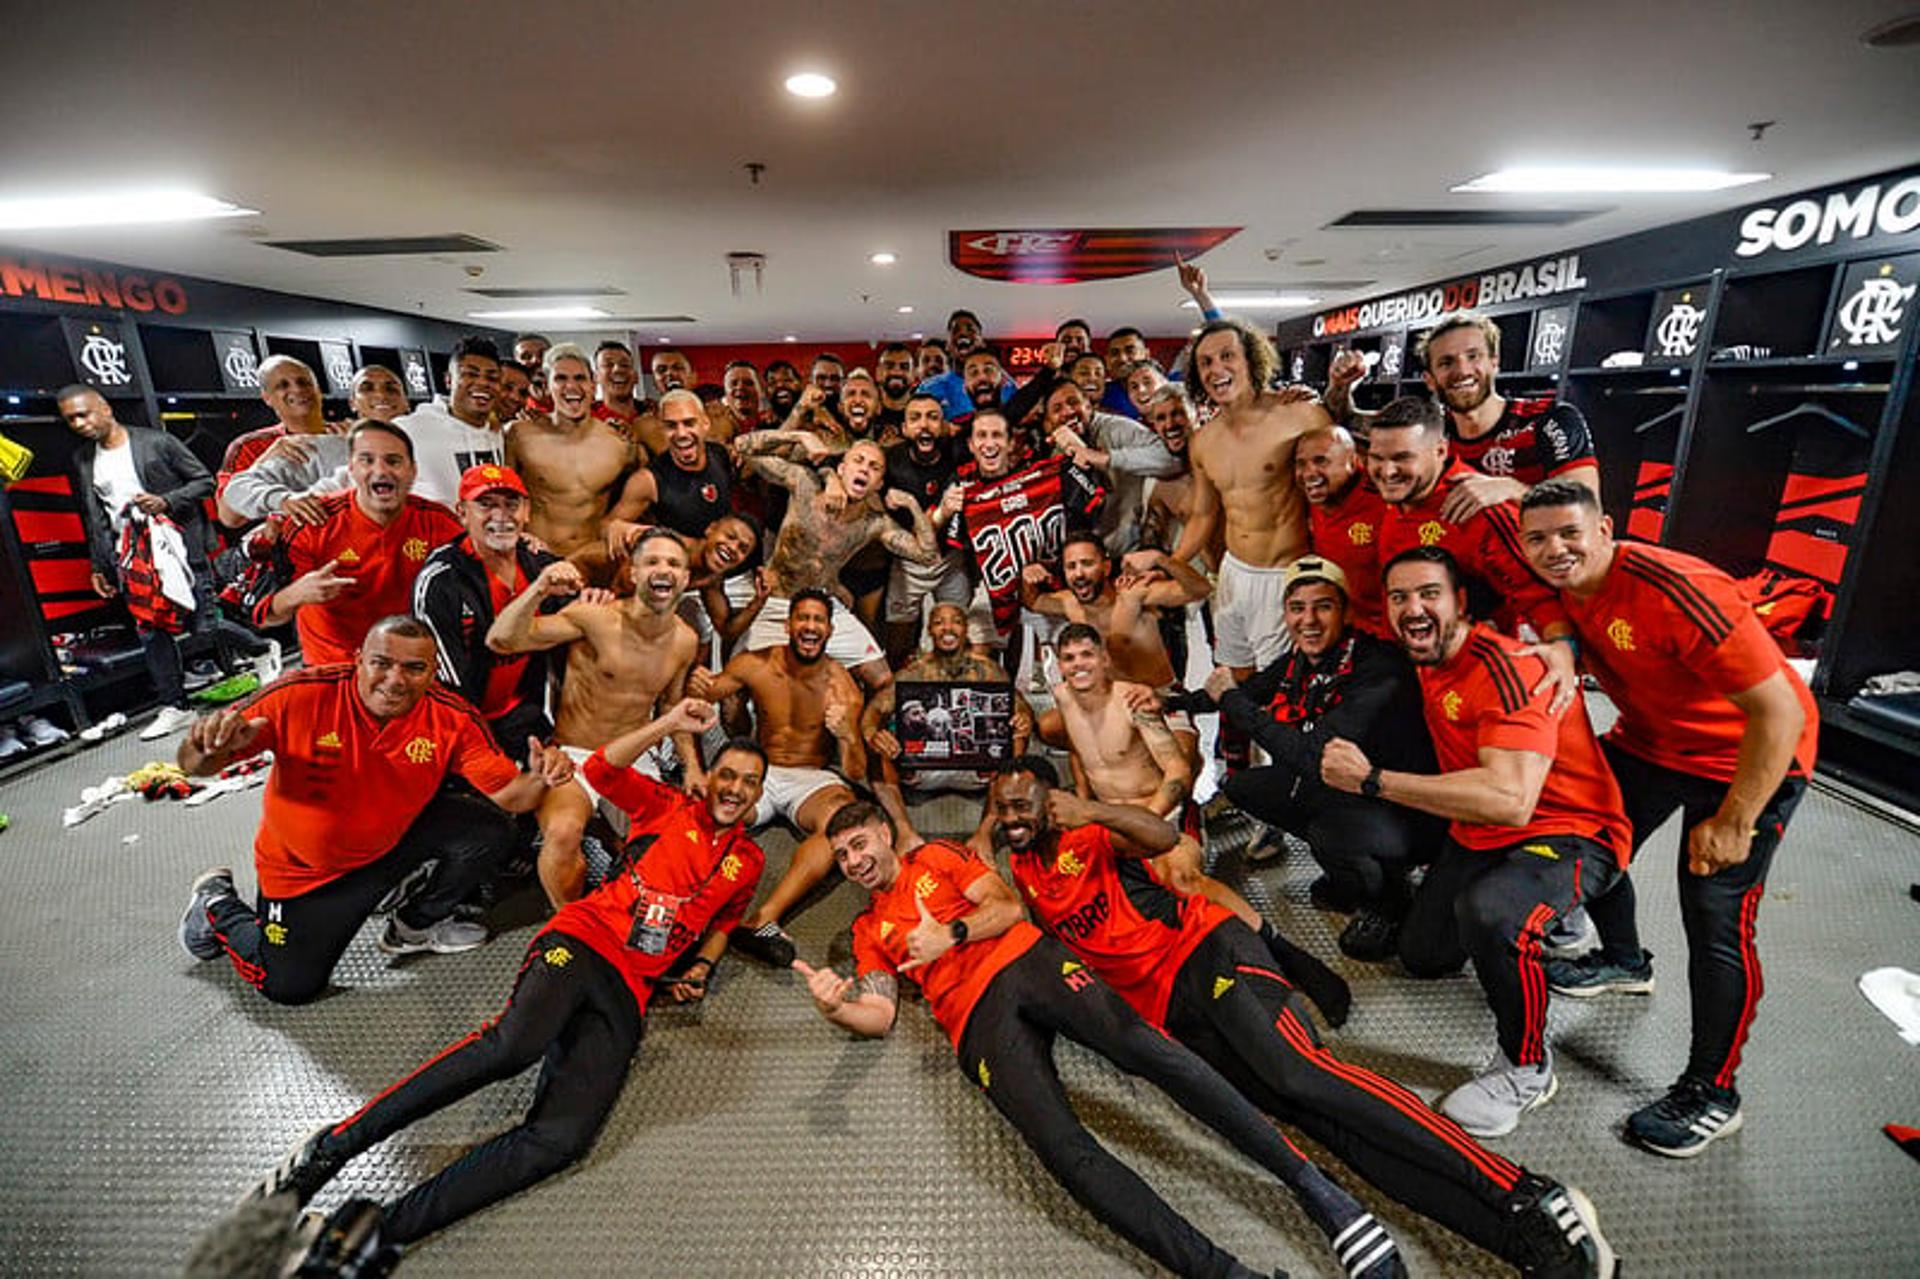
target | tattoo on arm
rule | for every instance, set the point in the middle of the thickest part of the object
(879, 983)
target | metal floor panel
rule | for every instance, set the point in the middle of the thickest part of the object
(143, 1092)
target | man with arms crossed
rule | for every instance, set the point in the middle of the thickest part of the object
(1003, 992)
(627, 657)
(1192, 969)
(1714, 723)
(807, 712)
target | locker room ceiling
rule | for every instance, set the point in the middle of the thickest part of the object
(604, 143)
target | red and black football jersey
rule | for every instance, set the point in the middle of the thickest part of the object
(1534, 440)
(1022, 519)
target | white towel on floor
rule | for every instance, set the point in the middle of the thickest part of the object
(1895, 992)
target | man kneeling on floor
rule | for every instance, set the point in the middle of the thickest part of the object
(1003, 991)
(580, 1001)
(354, 808)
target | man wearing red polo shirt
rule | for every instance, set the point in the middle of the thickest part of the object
(1002, 991)
(353, 809)
(1537, 824)
(580, 1002)
(1713, 722)
(334, 578)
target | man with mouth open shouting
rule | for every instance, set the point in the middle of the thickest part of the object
(822, 531)
(580, 1001)
(1004, 992)
(627, 658)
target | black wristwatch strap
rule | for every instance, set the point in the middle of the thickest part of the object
(1371, 786)
(958, 930)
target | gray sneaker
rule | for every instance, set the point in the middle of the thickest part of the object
(447, 936)
(1491, 1105)
(1595, 974)
(197, 937)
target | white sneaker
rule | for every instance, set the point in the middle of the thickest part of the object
(447, 936)
(268, 665)
(171, 719)
(1491, 1105)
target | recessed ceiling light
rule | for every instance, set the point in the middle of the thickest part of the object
(919, 337)
(1568, 179)
(789, 338)
(113, 208)
(882, 259)
(1258, 300)
(543, 313)
(904, 310)
(810, 84)
(663, 341)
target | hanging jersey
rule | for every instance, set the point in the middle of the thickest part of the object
(1652, 486)
(1819, 505)
(1483, 698)
(689, 501)
(1022, 519)
(1534, 440)
(1132, 930)
(939, 874)
(1671, 638)
(681, 879)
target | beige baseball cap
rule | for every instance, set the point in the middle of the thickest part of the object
(1312, 568)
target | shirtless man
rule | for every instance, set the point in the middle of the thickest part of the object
(628, 659)
(1121, 755)
(1243, 477)
(822, 532)
(571, 463)
(949, 659)
(1170, 501)
(805, 708)
(1126, 612)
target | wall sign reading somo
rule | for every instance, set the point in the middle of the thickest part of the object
(53, 281)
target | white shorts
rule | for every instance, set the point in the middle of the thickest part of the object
(787, 790)
(909, 585)
(851, 644)
(650, 764)
(1249, 615)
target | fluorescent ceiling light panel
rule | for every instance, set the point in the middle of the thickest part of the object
(810, 84)
(113, 208)
(1584, 178)
(1257, 300)
(543, 313)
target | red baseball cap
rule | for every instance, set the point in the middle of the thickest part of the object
(489, 478)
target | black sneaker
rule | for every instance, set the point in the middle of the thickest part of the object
(197, 937)
(1269, 845)
(1328, 893)
(769, 943)
(302, 1173)
(1555, 1233)
(1594, 974)
(1692, 1116)
(1370, 936)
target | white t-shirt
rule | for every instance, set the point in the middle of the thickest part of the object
(444, 447)
(115, 480)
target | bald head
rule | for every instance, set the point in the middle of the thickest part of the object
(1325, 464)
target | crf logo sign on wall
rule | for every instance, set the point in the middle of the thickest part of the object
(1674, 333)
(1068, 256)
(1875, 302)
(1549, 346)
(85, 286)
(1891, 209)
(413, 367)
(1535, 280)
(101, 354)
(337, 362)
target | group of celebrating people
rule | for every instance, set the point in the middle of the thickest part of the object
(653, 625)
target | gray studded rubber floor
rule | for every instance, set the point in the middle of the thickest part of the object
(143, 1092)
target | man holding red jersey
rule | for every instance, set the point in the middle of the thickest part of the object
(1537, 824)
(580, 1001)
(1002, 992)
(1195, 970)
(1713, 722)
(332, 579)
(353, 809)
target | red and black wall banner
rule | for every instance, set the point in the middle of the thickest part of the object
(1059, 255)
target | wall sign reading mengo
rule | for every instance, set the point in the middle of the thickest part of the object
(1535, 280)
(86, 286)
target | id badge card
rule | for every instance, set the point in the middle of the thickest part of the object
(653, 918)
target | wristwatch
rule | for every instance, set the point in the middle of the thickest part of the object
(1370, 787)
(958, 931)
